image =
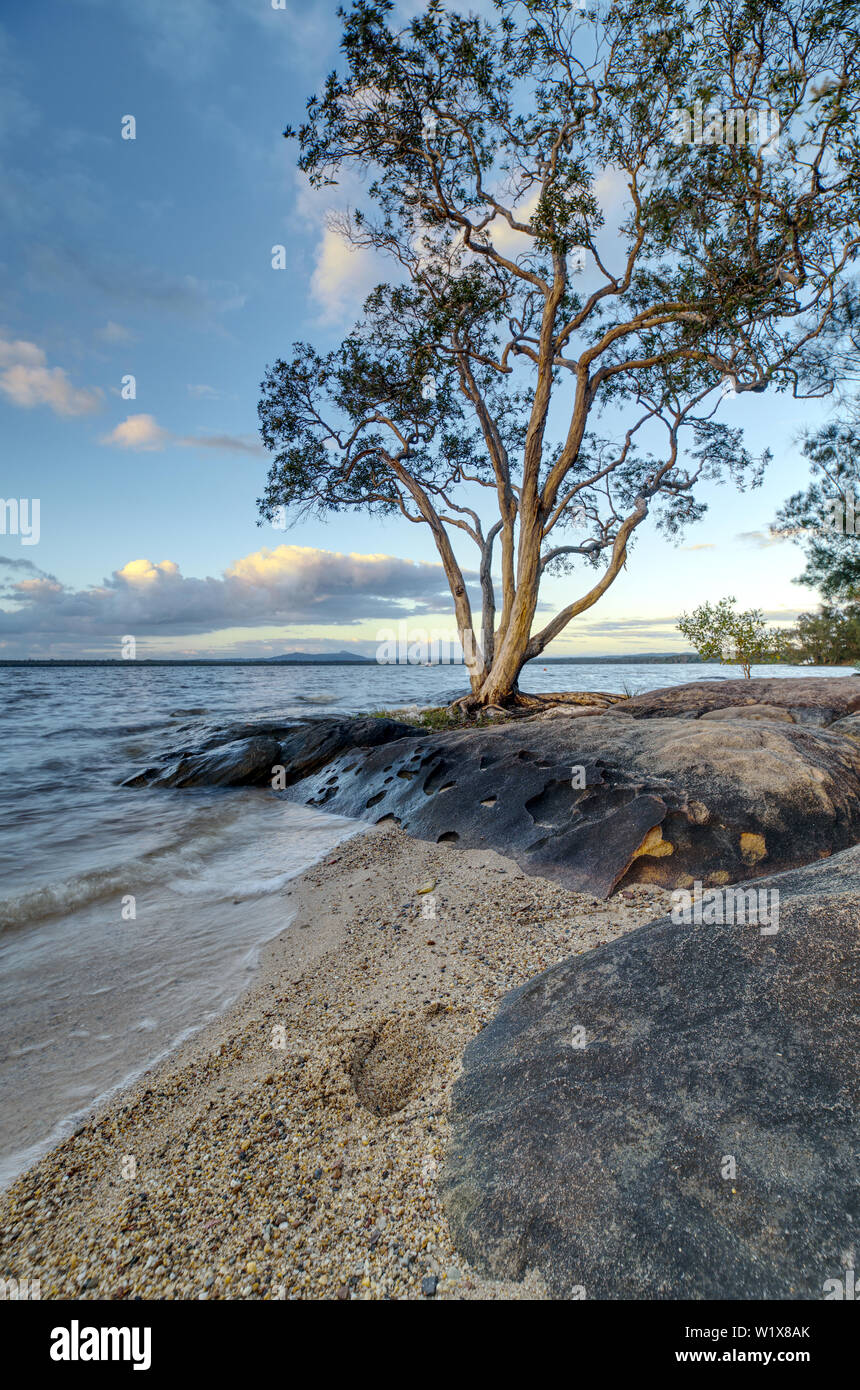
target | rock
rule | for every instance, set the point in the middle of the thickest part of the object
(572, 711)
(783, 716)
(245, 754)
(816, 700)
(240, 763)
(848, 726)
(605, 802)
(316, 743)
(429, 1284)
(609, 1166)
(718, 791)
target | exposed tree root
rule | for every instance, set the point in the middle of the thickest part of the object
(569, 697)
(519, 704)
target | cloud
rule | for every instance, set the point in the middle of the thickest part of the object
(18, 115)
(203, 392)
(20, 353)
(142, 433)
(612, 189)
(704, 545)
(127, 281)
(763, 539)
(230, 443)
(9, 588)
(116, 333)
(14, 563)
(138, 432)
(506, 239)
(342, 275)
(189, 40)
(339, 272)
(27, 381)
(287, 585)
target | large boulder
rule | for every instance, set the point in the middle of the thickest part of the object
(237, 763)
(247, 754)
(703, 1142)
(816, 700)
(600, 801)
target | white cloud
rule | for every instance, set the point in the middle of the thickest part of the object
(612, 189)
(142, 433)
(288, 585)
(28, 381)
(20, 353)
(138, 432)
(145, 572)
(506, 239)
(763, 540)
(343, 276)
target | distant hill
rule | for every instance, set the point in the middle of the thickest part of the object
(321, 659)
(351, 658)
(674, 658)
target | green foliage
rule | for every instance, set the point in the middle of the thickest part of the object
(719, 632)
(475, 379)
(830, 637)
(825, 517)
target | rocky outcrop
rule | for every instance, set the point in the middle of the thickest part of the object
(673, 1115)
(772, 712)
(237, 763)
(600, 801)
(592, 797)
(849, 727)
(247, 755)
(816, 700)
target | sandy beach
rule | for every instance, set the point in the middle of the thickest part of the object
(291, 1149)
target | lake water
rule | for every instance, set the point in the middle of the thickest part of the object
(90, 997)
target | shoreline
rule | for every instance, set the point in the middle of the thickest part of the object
(289, 1148)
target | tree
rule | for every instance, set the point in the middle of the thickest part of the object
(825, 517)
(469, 394)
(830, 637)
(720, 633)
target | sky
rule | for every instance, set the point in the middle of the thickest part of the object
(151, 258)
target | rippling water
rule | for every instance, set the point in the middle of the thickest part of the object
(89, 995)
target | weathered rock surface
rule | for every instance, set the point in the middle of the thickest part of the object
(782, 716)
(238, 763)
(848, 727)
(593, 798)
(246, 754)
(816, 700)
(602, 1166)
(598, 801)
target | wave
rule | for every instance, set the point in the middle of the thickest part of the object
(185, 854)
(107, 731)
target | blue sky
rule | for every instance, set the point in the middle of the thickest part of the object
(152, 257)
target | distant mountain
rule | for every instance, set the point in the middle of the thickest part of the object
(322, 659)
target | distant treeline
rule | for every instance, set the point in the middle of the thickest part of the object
(313, 660)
